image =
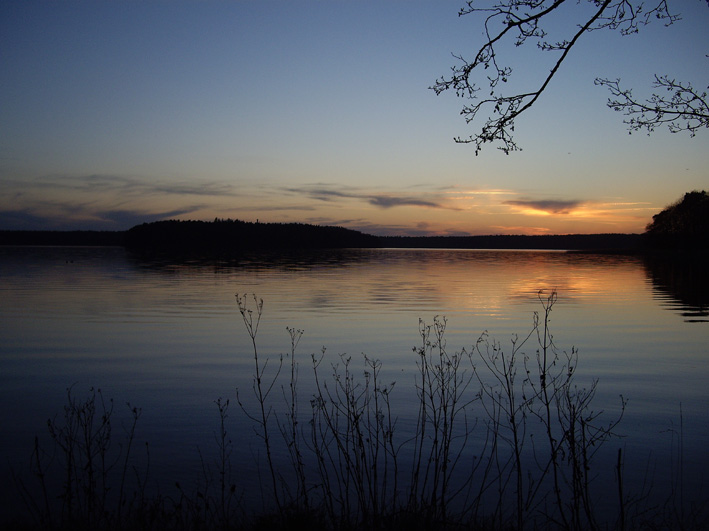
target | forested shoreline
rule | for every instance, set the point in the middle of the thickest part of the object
(229, 236)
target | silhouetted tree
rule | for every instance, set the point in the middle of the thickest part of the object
(684, 223)
(520, 22)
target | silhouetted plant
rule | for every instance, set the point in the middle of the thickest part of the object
(352, 438)
(290, 427)
(501, 439)
(442, 423)
(81, 456)
(506, 403)
(261, 387)
(356, 448)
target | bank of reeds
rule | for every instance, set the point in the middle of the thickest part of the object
(502, 437)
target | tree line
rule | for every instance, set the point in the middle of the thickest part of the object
(683, 224)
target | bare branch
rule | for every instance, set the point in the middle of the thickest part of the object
(679, 106)
(516, 22)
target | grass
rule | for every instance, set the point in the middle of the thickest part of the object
(503, 438)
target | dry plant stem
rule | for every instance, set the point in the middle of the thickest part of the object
(321, 449)
(290, 429)
(262, 389)
(619, 475)
(136, 412)
(546, 344)
(548, 395)
(442, 429)
(82, 441)
(46, 518)
(424, 332)
(571, 427)
(352, 431)
(40, 511)
(504, 410)
(334, 467)
(227, 488)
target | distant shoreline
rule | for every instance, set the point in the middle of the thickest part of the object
(208, 237)
(62, 238)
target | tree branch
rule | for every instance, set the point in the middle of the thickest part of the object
(681, 108)
(517, 21)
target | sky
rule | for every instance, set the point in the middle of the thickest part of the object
(116, 113)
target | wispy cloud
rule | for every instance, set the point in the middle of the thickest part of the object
(263, 206)
(28, 219)
(104, 202)
(547, 206)
(23, 219)
(101, 183)
(472, 192)
(388, 201)
(387, 229)
(130, 218)
(382, 200)
(520, 229)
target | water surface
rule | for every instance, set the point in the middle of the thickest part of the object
(167, 336)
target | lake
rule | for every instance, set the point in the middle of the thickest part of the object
(167, 336)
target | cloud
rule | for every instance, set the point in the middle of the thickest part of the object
(377, 199)
(472, 192)
(102, 201)
(359, 224)
(131, 218)
(83, 219)
(103, 183)
(405, 230)
(387, 201)
(274, 208)
(321, 194)
(381, 229)
(550, 206)
(25, 220)
(520, 229)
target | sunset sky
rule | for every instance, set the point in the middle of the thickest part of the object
(118, 113)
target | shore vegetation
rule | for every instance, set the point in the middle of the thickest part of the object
(499, 437)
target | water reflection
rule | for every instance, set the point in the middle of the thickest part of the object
(680, 283)
(166, 334)
(285, 260)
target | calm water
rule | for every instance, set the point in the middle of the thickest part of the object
(168, 337)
